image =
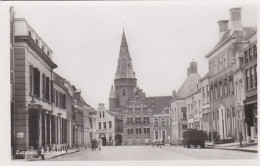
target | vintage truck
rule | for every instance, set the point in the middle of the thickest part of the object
(194, 137)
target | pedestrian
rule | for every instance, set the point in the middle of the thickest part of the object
(99, 143)
(92, 144)
(240, 139)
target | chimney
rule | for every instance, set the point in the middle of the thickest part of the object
(235, 23)
(223, 27)
(192, 68)
(173, 94)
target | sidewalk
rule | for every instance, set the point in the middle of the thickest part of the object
(253, 147)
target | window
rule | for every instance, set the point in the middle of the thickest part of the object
(255, 51)
(144, 130)
(136, 130)
(36, 41)
(144, 120)
(100, 115)
(167, 110)
(90, 121)
(127, 121)
(156, 133)
(163, 134)
(131, 120)
(215, 67)
(248, 79)
(220, 63)
(48, 53)
(31, 79)
(140, 131)
(170, 121)
(47, 89)
(105, 125)
(43, 48)
(30, 34)
(128, 131)
(251, 56)
(99, 125)
(225, 60)
(36, 82)
(43, 87)
(163, 121)
(148, 130)
(184, 112)
(246, 57)
(156, 122)
(147, 120)
(123, 92)
(132, 131)
(252, 77)
(103, 114)
(110, 124)
(231, 86)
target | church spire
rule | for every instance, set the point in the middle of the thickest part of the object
(112, 94)
(124, 66)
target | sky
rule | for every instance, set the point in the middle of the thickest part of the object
(163, 38)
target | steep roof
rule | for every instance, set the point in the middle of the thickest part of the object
(112, 94)
(187, 87)
(159, 103)
(124, 66)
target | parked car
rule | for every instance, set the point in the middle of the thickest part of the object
(194, 137)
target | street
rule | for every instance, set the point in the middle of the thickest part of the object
(154, 153)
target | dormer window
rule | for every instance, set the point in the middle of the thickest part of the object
(36, 41)
(30, 34)
(166, 110)
(48, 53)
(42, 47)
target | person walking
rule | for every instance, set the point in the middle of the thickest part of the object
(240, 139)
(92, 144)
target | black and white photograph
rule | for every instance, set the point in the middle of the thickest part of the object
(130, 81)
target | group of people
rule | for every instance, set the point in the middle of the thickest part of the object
(158, 143)
(96, 144)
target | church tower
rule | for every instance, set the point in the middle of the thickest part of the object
(125, 80)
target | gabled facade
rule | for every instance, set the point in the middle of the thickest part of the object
(105, 123)
(178, 103)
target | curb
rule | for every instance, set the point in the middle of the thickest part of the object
(245, 150)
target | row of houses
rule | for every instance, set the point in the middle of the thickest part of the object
(225, 99)
(47, 111)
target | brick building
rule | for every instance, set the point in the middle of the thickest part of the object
(133, 110)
